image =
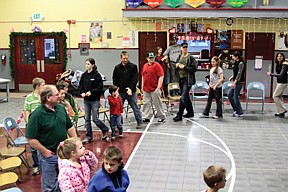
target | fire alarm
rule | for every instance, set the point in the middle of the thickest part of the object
(69, 22)
(73, 21)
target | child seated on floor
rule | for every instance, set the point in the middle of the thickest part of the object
(215, 178)
(111, 177)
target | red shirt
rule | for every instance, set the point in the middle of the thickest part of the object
(151, 74)
(116, 107)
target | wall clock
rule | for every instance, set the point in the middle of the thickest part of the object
(229, 21)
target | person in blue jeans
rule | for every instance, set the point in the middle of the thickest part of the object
(125, 76)
(91, 88)
(238, 82)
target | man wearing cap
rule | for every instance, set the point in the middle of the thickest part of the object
(152, 79)
(185, 73)
(172, 53)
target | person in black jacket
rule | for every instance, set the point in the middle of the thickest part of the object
(281, 75)
(125, 76)
(185, 72)
(91, 88)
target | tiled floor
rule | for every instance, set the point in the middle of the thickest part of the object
(173, 155)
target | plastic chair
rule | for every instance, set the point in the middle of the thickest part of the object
(8, 179)
(255, 86)
(175, 87)
(13, 189)
(9, 124)
(199, 86)
(225, 87)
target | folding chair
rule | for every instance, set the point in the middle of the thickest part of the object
(175, 87)
(199, 86)
(9, 124)
(8, 179)
(225, 88)
(257, 87)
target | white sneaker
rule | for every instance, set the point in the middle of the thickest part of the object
(203, 115)
(113, 138)
(35, 171)
(121, 136)
(237, 115)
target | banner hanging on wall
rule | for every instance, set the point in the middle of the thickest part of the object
(153, 3)
(215, 3)
(237, 3)
(237, 39)
(194, 3)
(133, 3)
(174, 3)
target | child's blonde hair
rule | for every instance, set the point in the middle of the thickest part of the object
(113, 153)
(214, 174)
(65, 148)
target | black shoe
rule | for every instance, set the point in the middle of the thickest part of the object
(161, 121)
(177, 118)
(281, 115)
(188, 115)
(146, 120)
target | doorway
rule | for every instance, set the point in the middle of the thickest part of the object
(38, 55)
(261, 45)
(148, 41)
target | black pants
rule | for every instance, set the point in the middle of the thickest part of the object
(217, 95)
(185, 101)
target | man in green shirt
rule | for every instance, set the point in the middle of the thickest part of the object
(48, 125)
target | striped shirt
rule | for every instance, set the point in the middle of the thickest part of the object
(31, 102)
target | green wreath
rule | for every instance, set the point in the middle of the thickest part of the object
(35, 34)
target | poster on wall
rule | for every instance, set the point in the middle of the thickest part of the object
(282, 40)
(222, 39)
(133, 37)
(237, 39)
(96, 32)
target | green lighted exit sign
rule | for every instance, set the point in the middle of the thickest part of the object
(37, 17)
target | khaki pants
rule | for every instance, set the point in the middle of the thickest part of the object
(150, 98)
(277, 97)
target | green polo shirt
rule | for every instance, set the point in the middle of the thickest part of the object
(48, 127)
(31, 102)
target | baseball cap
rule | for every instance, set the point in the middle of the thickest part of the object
(184, 44)
(150, 55)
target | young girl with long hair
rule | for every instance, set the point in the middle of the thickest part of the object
(215, 89)
(75, 164)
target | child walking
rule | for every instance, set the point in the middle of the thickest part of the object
(111, 177)
(116, 109)
(215, 178)
(75, 164)
(215, 89)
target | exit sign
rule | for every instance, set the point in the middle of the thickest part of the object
(37, 17)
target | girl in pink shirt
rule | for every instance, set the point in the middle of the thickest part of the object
(75, 164)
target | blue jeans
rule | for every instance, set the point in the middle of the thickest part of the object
(233, 95)
(34, 157)
(93, 106)
(185, 102)
(132, 101)
(116, 121)
(49, 173)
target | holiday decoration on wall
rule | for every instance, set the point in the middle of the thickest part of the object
(237, 3)
(215, 3)
(133, 3)
(195, 3)
(153, 3)
(27, 53)
(174, 3)
(36, 29)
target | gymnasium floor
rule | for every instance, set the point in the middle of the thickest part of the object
(171, 156)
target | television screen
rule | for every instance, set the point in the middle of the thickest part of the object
(197, 45)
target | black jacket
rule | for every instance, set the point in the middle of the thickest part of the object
(125, 76)
(190, 68)
(91, 82)
(281, 70)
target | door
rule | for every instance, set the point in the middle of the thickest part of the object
(37, 56)
(148, 43)
(260, 44)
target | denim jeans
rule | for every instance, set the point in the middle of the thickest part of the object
(233, 95)
(34, 157)
(185, 102)
(49, 173)
(132, 101)
(217, 94)
(116, 121)
(93, 106)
